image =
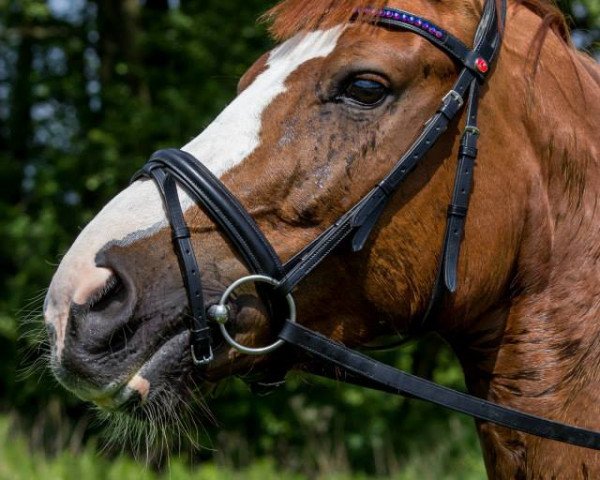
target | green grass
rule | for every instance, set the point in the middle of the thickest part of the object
(453, 455)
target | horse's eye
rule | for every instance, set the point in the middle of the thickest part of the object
(365, 92)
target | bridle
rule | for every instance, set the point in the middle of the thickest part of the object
(275, 281)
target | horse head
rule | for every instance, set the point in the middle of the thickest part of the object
(317, 122)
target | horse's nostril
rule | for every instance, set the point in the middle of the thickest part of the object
(114, 291)
(101, 324)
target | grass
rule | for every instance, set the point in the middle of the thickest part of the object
(453, 455)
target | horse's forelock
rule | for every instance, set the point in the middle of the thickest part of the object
(290, 17)
(293, 16)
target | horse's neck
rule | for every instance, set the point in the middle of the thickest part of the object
(539, 350)
(540, 354)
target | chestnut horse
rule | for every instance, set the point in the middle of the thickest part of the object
(317, 122)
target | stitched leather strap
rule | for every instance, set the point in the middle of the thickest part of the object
(166, 166)
(447, 274)
(370, 373)
(363, 217)
(200, 340)
(223, 208)
(457, 210)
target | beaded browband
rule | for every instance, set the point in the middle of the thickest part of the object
(403, 17)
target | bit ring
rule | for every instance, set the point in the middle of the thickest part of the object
(220, 314)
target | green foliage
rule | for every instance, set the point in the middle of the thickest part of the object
(86, 93)
(452, 457)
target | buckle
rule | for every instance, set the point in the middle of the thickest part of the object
(453, 95)
(471, 130)
(203, 360)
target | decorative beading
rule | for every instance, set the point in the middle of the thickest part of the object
(403, 17)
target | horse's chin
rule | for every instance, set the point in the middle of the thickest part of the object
(167, 367)
(173, 417)
(154, 372)
(163, 409)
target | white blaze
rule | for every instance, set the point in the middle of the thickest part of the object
(225, 143)
(137, 212)
(234, 134)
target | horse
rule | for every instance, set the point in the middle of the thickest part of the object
(317, 122)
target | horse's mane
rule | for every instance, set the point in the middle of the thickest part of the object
(292, 16)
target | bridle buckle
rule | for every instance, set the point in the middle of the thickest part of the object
(454, 95)
(472, 130)
(203, 360)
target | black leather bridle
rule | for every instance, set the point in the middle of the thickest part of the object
(172, 167)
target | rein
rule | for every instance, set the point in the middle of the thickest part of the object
(275, 281)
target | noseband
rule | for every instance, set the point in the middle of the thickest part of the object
(275, 281)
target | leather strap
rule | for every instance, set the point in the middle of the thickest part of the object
(457, 210)
(447, 274)
(200, 339)
(247, 238)
(224, 209)
(365, 371)
(363, 217)
(448, 43)
(166, 166)
(227, 212)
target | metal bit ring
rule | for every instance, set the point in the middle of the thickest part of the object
(220, 314)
